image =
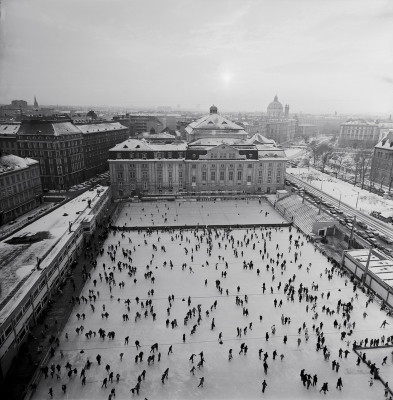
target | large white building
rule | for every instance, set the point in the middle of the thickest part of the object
(359, 132)
(219, 157)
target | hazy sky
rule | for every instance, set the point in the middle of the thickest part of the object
(316, 55)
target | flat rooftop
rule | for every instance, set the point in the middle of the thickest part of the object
(381, 265)
(41, 239)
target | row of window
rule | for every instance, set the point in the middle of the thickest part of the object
(34, 144)
(194, 166)
(19, 177)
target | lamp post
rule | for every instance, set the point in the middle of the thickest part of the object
(339, 201)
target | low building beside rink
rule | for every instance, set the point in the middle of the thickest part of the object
(218, 157)
(34, 262)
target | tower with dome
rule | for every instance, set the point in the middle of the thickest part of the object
(275, 108)
(279, 126)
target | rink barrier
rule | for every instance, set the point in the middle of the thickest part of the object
(373, 282)
(198, 227)
(355, 350)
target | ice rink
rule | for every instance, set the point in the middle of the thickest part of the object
(201, 213)
(207, 255)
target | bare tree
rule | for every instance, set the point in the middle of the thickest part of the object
(314, 150)
(325, 151)
(362, 161)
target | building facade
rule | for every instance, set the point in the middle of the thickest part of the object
(219, 157)
(21, 189)
(58, 146)
(143, 123)
(281, 130)
(382, 162)
(98, 138)
(8, 138)
(307, 130)
(359, 133)
(68, 153)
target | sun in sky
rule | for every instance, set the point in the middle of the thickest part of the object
(227, 77)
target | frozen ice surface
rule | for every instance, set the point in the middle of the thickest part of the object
(240, 378)
(198, 213)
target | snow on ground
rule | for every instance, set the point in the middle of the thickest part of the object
(241, 377)
(293, 152)
(349, 193)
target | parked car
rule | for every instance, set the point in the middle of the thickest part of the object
(362, 224)
(341, 221)
(373, 241)
(363, 234)
(386, 239)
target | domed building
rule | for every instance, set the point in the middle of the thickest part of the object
(279, 126)
(216, 126)
(275, 108)
(218, 159)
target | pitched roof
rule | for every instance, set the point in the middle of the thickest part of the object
(101, 127)
(215, 122)
(42, 127)
(140, 145)
(387, 142)
(9, 129)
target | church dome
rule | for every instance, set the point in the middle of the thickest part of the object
(275, 108)
(213, 109)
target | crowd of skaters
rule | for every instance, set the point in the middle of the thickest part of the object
(272, 267)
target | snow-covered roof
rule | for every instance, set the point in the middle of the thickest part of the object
(11, 162)
(9, 129)
(101, 127)
(380, 264)
(218, 141)
(360, 122)
(156, 136)
(386, 143)
(44, 127)
(18, 261)
(260, 139)
(140, 145)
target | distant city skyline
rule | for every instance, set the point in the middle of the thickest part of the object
(317, 56)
